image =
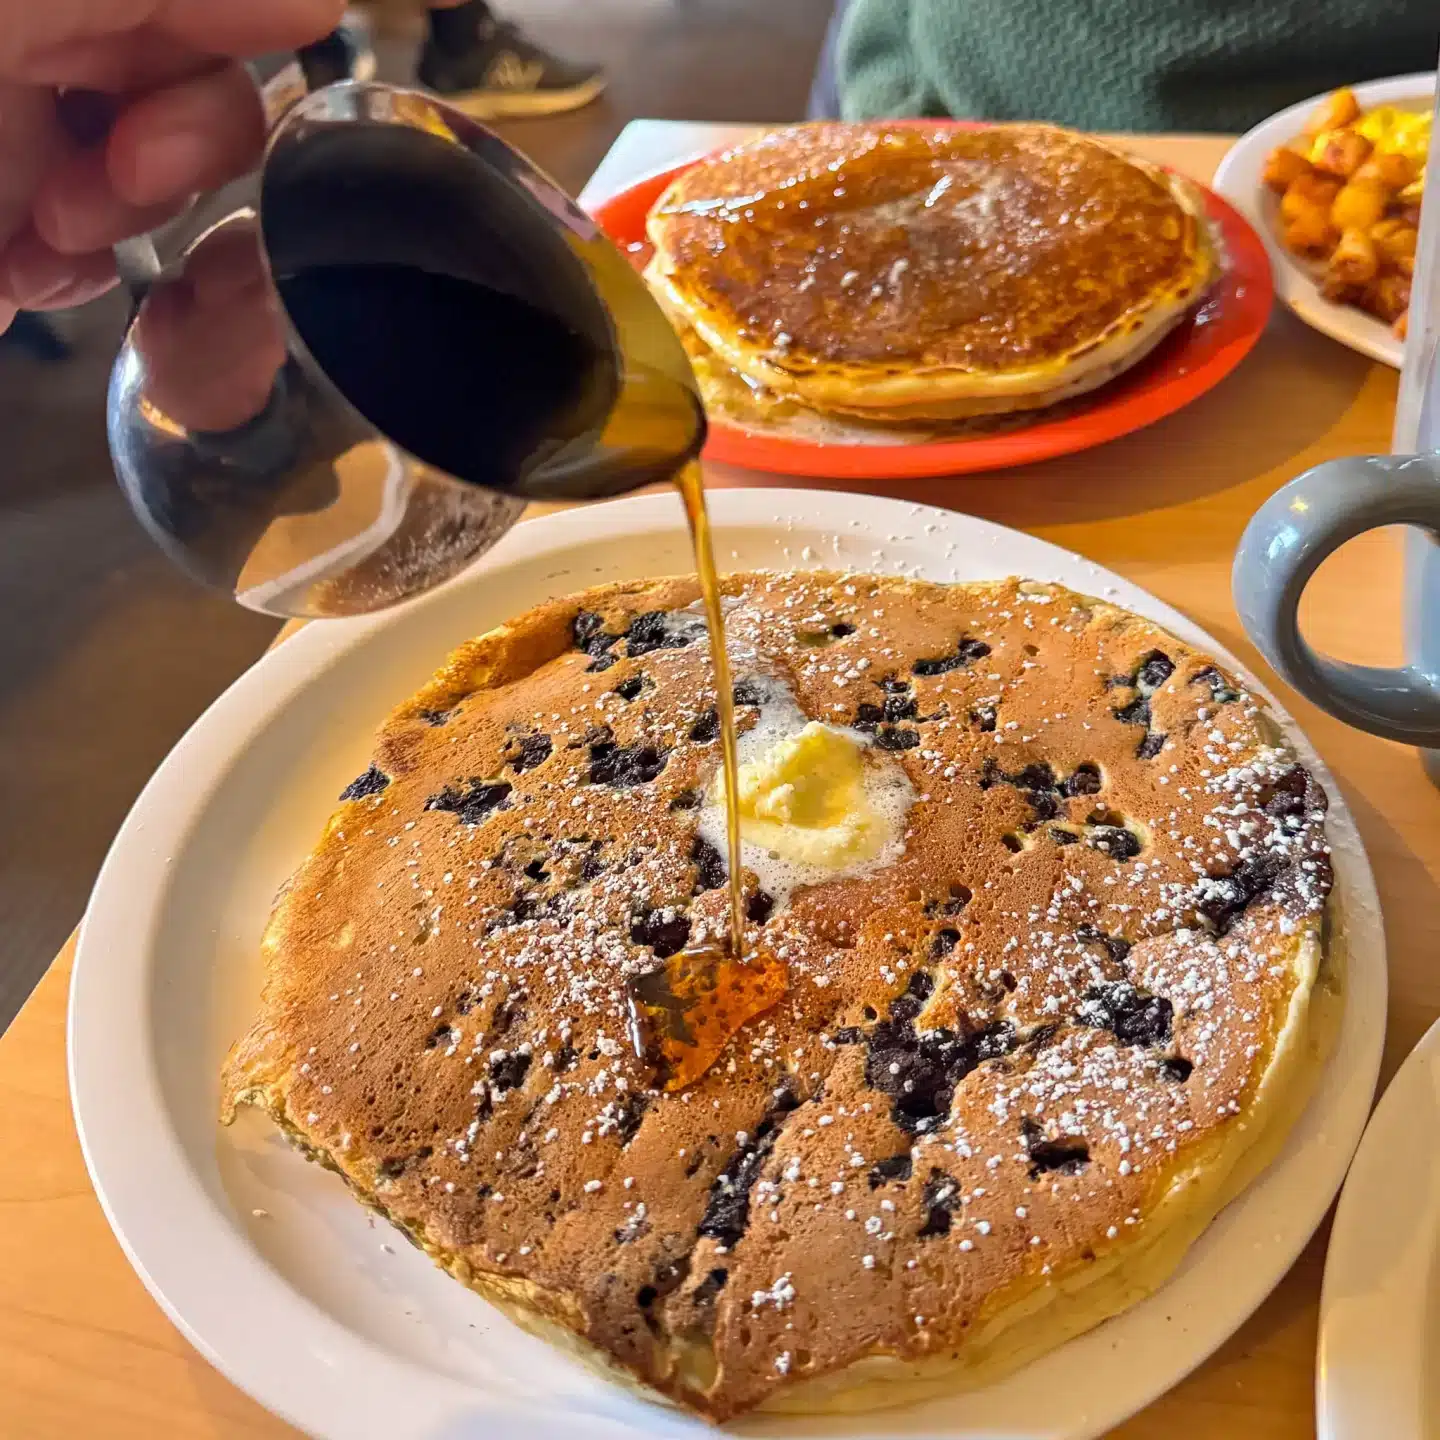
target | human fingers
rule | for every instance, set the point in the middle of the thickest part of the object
(187, 137)
(254, 28)
(30, 141)
(77, 210)
(35, 276)
(235, 320)
(117, 64)
(93, 277)
(161, 150)
(124, 46)
(29, 137)
(61, 41)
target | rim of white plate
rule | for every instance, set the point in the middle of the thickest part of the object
(185, 1238)
(1237, 178)
(1377, 1309)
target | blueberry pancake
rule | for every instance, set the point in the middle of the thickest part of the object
(1035, 896)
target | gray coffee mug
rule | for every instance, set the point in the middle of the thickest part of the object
(1281, 549)
(1313, 515)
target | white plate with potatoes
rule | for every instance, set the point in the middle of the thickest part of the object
(1333, 186)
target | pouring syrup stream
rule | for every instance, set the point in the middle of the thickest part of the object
(683, 1014)
(690, 483)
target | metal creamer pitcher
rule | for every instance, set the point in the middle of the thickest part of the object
(251, 466)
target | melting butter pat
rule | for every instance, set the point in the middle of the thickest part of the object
(804, 799)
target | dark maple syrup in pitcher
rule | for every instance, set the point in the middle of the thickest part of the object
(500, 387)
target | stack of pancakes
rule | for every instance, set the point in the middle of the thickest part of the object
(902, 274)
(1011, 1074)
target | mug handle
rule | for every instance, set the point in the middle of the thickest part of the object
(1284, 544)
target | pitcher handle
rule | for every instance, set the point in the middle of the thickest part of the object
(1283, 546)
(137, 262)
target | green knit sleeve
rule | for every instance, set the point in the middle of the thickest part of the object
(1120, 64)
(877, 63)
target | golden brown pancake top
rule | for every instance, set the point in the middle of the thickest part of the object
(987, 249)
(992, 1056)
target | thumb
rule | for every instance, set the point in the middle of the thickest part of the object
(248, 29)
(39, 42)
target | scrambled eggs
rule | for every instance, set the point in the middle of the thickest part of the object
(1391, 132)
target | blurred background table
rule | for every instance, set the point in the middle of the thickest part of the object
(83, 1349)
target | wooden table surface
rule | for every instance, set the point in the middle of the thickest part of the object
(85, 1352)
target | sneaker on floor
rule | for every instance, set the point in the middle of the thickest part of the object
(347, 50)
(505, 75)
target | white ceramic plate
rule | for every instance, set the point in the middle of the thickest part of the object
(1238, 180)
(285, 1283)
(1379, 1327)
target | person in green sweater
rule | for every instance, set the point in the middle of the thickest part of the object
(1113, 64)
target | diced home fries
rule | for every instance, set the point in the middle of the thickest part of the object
(1350, 186)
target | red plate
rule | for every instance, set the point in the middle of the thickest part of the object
(1200, 353)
